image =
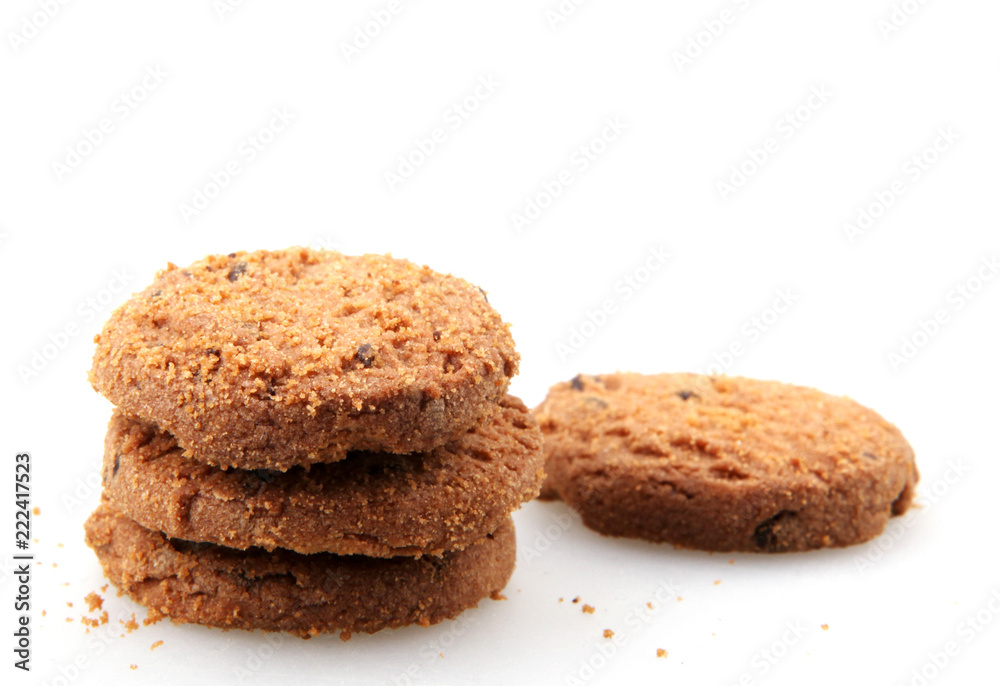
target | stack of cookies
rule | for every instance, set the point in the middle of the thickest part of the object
(310, 442)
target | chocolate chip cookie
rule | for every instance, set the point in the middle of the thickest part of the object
(375, 504)
(723, 463)
(272, 359)
(285, 591)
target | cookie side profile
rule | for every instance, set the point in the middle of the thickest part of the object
(285, 591)
(374, 504)
(723, 463)
(272, 359)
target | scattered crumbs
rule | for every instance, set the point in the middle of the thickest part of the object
(717, 582)
(649, 605)
(44, 613)
(36, 511)
(69, 619)
(54, 565)
(34, 540)
(133, 666)
(65, 584)
(94, 601)
(441, 654)
(589, 609)
(679, 599)
(497, 595)
(104, 588)
(345, 636)
(59, 545)
(156, 645)
(560, 600)
(131, 625)
(576, 599)
(824, 627)
(69, 604)
(87, 621)
(608, 633)
(660, 652)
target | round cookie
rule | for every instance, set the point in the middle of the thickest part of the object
(375, 504)
(723, 463)
(272, 359)
(285, 591)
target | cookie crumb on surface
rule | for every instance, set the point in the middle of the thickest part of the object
(156, 645)
(717, 582)
(649, 605)
(133, 666)
(94, 622)
(497, 595)
(36, 511)
(94, 601)
(608, 633)
(576, 599)
(589, 609)
(660, 652)
(824, 627)
(345, 636)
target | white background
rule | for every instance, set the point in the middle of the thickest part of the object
(889, 89)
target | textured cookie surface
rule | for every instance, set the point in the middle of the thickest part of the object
(723, 463)
(375, 504)
(271, 359)
(285, 591)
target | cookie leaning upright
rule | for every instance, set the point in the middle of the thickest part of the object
(723, 463)
(273, 359)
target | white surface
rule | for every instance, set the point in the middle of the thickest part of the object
(321, 181)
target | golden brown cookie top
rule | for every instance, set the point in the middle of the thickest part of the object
(728, 428)
(230, 351)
